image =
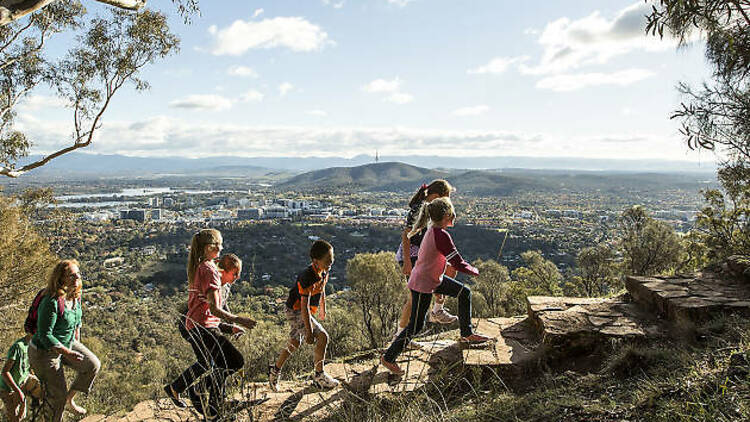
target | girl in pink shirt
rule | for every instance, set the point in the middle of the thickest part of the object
(428, 277)
(214, 352)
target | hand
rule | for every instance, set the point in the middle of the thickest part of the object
(406, 269)
(246, 322)
(74, 356)
(237, 331)
(309, 337)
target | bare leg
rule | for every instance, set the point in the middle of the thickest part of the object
(405, 312)
(321, 342)
(72, 405)
(291, 346)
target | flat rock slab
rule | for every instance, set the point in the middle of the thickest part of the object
(585, 322)
(691, 299)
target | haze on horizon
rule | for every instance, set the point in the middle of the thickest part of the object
(340, 78)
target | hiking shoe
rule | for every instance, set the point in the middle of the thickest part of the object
(475, 338)
(273, 377)
(392, 367)
(324, 381)
(174, 397)
(442, 317)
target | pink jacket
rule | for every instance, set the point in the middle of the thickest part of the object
(436, 251)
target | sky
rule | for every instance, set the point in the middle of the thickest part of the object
(273, 78)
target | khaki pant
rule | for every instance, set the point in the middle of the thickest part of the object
(48, 366)
(14, 409)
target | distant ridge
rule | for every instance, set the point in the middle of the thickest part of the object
(115, 165)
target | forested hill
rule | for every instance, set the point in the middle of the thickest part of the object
(378, 176)
(395, 176)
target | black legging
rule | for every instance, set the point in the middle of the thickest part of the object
(420, 304)
(213, 351)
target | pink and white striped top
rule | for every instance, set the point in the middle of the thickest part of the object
(436, 251)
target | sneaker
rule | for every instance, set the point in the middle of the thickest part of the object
(324, 381)
(475, 338)
(442, 317)
(273, 377)
(392, 367)
(174, 397)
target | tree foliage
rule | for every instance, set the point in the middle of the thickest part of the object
(24, 261)
(598, 274)
(538, 276)
(649, 246)
(110, 52)
(378, 287)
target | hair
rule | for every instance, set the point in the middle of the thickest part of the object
(432, 211)
(197, 247)
(230, 262)
(319, 249)
(56, 281)
(441, 187)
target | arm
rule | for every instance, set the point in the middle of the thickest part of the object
(305, 302)
(9, 380)
(406, 251)
(214, 297)
(322, 305)
(445, 245)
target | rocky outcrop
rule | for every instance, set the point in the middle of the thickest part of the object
(690, 300)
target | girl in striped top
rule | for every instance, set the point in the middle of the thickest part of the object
(428, 277)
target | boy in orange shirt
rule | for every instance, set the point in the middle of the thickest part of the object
(305, 297)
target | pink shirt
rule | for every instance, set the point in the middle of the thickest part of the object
(207, 279)
(436, 251)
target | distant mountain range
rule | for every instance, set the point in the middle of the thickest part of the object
(119, 165)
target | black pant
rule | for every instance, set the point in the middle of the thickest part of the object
(213, 352)
(420, 304)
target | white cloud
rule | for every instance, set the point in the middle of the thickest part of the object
(383, 85)
(285, 88)
(391, 87)
(203, 102)
(471, 111)
(572, 82)
(594, 40)
(251, 96)
(317, 113)
(243, 71)
(335, 5)
(294, 33)
(400, 3)
(167, 136)
(497, 65)
(257, 13)
(399, 98)
(38, 102)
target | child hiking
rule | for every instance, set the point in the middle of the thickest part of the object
(16, 381)
(230, 267)
(427, 277)
(214, 352)
(305, 297)
(408, 252)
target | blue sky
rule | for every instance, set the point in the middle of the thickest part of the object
(429, 77)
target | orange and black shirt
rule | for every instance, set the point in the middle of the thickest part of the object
(310, 285)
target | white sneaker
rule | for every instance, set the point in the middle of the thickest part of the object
(324, 381)
(273, 377)
(442, 317)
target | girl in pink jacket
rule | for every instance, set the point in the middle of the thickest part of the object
(428, 277)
